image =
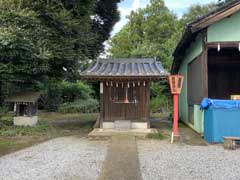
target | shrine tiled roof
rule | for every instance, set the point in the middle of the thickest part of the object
(24, 97)
(122, 68)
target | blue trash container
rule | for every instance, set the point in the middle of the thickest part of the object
(221, 118)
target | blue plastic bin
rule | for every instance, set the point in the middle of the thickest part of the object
(219, 123)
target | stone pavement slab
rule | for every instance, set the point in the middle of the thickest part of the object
(122, 159)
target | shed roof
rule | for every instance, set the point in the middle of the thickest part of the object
(193, 28)
(138, 68)
(24, 97)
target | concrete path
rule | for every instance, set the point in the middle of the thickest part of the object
(122, 159)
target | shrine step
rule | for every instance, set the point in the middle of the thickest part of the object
(123, 124)
(106, 134)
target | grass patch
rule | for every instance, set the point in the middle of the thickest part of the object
(6, 143)
(6, 120)
(157, 136)
(50, 125)
(181, 125)
(56, 116)
(55, 124)
(11, 144)
(41, 128)
(160, 115)
(80, 106)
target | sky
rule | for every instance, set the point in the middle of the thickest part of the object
(177, 6)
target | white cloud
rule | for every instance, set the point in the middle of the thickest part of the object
(124, 11)
(176, 4)
(119, 25)
(136, 5)
(179, 7)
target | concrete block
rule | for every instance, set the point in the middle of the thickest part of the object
(122, 124)
(108, 125)
(25, 121)
(139, 125)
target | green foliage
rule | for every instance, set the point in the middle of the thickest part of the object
(157, 136)
(161, 100)
(6, 121)
(80, 106)
(160, 104)
(41, 128)
(224, 2)
(194, 12)
(74, 91)
(150, 32)
(23, 56)
(154, 32)
(66, 92)
(45, 41)
(3, 109)
(53, 96)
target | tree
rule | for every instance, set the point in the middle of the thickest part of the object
(155, 31)
(150, 32)
(53, 38)
(78, 28)
(223, 2)
(23, 54)
(50, 40)
(106, 16)
(196, 11)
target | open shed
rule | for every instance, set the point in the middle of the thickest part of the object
(208, 55)
(125, 90)
(25, 108)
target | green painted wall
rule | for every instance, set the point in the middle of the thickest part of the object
(227, 29)
(198, 119)
(193, 51)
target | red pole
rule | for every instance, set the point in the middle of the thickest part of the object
(175, 115)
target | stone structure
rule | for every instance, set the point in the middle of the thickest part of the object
(25, 108)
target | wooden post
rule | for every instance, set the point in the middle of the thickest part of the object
(175, 115)
(148, 105)
(101, 105)
(176, 83)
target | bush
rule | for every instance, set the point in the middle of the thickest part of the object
(6, 121)
(161, 100)
(66, 92)
(3, 109)
(80, 106)
(160, 104)
(53, 97)
(73, 91)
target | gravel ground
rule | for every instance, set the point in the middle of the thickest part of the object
(160, 160)
(67, 158)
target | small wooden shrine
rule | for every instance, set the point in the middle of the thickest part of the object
(125, 90)
(25, 108)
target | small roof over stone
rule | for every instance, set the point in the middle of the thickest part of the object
(24, 97)
(129, 68)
